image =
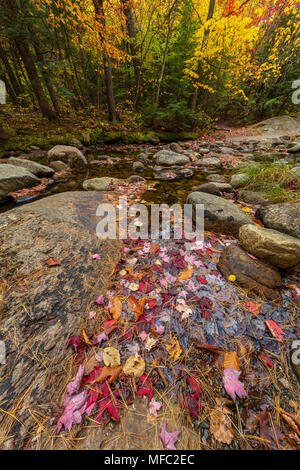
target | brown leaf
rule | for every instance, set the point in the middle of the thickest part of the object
(231, 361)
(116, 308)
(220, 426)
(268, 431)
(155, 247)
(108, 372)
(137, 306)
(208, 347)
(52, 262)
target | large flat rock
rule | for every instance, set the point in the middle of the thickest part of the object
(34, 168)
(40, 307)
(283, 217)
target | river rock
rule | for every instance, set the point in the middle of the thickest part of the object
(70, 155)
(136, 179)
(59, 166)
(252, 197)
(44, 306)
(274, 247)
(214, 188)
(138, 166)
(220, 215)
(294, 148)
(240, 180)
(99, 184)
(210, 162)
(284, 217)
(296, 171)
(13, 178)
(34, 168)
(254, 275)
(169, 158)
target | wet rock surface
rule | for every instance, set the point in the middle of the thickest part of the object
(42, 306)
(72, 156)
(99, 184)
(220, 215)
(255, 276)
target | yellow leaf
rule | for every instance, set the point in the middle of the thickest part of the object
(186, 275)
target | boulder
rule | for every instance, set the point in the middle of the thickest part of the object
(215, 178)
(59, 166)
(76, 143)
(136, 179)
(252, 197)
(168, 158)
(138, 166)
(213, 188)
(276, 248)
(175, 147)
(70, 155)
(155, 140)
(99, 184)
(240, 180)
(210, 162)
(41, 305)
(296, 172)
(34, 168)
(254, 275)
(13, 178)
(294, 149)
(220, 215)
(284, 217)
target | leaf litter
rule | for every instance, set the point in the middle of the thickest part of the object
(173, 325)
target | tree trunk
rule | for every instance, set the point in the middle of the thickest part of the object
(10, 73)
(162, 71)
(99, 13)
(34, 78)
(131, 30)
(45, 73)
(210, 15)
(27, 58)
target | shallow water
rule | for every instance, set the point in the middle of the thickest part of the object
(167, 191)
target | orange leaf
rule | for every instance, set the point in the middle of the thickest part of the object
(185, 275)
(116, 308)
(85, 337)
(253, 308)
(52, 262)
(231, 361)
(108, 372)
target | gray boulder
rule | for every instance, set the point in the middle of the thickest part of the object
(220, 215)
(34, 168)
(138, 166)
(59, 166)
(283, 217)
(168, 158)
(99, 184)
(69, 155)
(13, 178)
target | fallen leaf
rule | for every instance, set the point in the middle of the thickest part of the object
(231, 361)
(111, 373)
(135, 365)
(253, 308)
(169, 439)
(154, 407)
(111, 357)
(232, 384)
(186, 275)
(220, 426)
(85, 337)
(52, 262)
(174, 349)
(137, 306)
(116, 308)
(269, 431)
(275, 330)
